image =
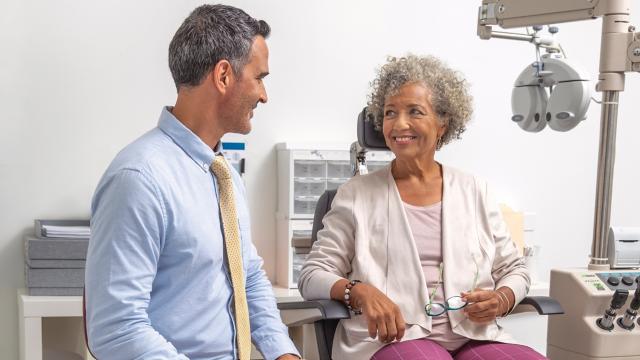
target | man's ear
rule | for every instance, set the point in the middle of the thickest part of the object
(223, 76)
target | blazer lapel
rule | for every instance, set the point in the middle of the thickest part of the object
(456, 235)
(406, 283)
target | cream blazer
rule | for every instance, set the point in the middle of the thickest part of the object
(366, 236)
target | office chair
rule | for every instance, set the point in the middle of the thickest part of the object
(325, 314)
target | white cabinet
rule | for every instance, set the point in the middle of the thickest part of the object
(305, 171)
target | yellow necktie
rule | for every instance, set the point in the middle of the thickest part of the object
(234, 255)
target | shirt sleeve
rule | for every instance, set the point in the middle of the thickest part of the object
(508, 267)
(268, 332)
(127, 232)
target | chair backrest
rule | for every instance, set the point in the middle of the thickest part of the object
(322, 207)
(368, 136)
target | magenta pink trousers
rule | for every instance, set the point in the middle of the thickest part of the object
(425, 349)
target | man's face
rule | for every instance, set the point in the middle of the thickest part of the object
(248, 90)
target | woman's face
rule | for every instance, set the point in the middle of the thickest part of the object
(410, 126)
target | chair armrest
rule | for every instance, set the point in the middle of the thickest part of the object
(544, 305)
(329, 309)
(306, 312)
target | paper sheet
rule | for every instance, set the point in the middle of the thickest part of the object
(515, 223)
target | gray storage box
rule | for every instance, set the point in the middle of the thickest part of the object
(54, 278)
(55, 264)
(55, 248)
(44, 291)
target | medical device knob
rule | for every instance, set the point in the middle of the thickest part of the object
(613, 281)
(553, 29)
(627, 280)
(635, 303)
(626, 322)
(619, 298)
(632, 312)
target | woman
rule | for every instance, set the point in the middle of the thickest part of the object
(399, 242)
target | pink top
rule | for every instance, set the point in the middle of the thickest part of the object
(425, 223)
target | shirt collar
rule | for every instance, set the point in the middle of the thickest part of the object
(189, 142)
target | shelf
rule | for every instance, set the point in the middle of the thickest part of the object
(49, 306)
(308, 179)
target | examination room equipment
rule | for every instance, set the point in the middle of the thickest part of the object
(602, 299)
(624, 247)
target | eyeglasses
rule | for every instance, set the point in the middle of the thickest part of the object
(452, 303)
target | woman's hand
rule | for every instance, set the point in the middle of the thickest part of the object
(384, 318)
(486, 305)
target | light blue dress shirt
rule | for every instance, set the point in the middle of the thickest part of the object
(157, 283)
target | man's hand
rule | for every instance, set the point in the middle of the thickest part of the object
(486, 305)
(288, 357)
(383, 316)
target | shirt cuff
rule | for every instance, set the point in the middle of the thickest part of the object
(276, 346)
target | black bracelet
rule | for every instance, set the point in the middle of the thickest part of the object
(347, 296)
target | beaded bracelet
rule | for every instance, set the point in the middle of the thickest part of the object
(347, 297)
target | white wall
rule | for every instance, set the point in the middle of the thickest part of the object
(81, 79)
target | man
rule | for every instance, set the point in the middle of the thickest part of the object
(171, 270)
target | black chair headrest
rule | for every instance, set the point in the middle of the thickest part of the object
(368, 136)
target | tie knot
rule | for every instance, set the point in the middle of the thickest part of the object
(220, 168)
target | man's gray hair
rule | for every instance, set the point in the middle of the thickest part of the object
(449, 91)
(209, 34)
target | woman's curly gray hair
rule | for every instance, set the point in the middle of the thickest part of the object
(450, 97)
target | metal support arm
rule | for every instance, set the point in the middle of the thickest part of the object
(619, 53)
(517, 13)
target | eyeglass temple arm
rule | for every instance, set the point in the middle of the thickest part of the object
(435, 288)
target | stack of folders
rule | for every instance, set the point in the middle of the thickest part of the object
(301, 241)
(55, 257)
